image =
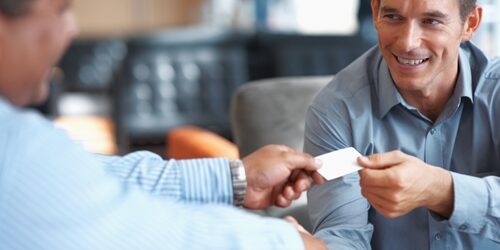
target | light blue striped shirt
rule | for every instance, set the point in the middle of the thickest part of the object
(54, 195)
(362, 108)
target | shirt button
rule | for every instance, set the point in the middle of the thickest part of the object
(438, 236)
(463, 227)
(433, 131)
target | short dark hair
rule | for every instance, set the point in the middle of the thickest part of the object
(466, 7)
(14, 8)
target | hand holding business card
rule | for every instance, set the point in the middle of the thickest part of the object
(339, 163)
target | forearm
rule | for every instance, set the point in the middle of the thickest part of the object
(200, 180)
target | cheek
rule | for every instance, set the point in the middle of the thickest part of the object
(445, 49)
(388, 41)
(442, 41)
(52, 41)
(51, 45)
(439, 42)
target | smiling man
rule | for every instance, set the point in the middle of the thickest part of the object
(424, 107)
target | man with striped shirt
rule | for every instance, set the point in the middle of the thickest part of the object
(54, 195)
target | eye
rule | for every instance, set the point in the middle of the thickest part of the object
(432, 21)
(392, 17)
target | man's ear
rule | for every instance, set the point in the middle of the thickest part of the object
(472, 23)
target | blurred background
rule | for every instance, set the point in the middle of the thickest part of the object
(143, 67)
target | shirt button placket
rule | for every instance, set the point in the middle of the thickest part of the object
(433, 145)
(438, 236)
(439, 240)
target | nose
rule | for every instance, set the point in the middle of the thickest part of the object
(410, 37)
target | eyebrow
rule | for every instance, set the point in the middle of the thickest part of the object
(436, 14)
(386, 9)
(433, 14)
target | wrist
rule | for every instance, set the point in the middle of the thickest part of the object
(442, 196)
(239, 181)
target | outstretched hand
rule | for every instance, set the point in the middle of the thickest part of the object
(277, 175)
(396, 183)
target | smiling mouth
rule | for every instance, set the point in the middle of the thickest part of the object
(412, 62)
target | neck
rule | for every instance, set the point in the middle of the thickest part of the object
(430, 101)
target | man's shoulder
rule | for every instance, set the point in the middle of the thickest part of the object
(19, 118)
(27, 134)
(488, 84)
(479, 63)
(20, 126)
(493, 69)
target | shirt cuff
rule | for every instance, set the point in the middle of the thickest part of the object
(471, 203)
(206, 180)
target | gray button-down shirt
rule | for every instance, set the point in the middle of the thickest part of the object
(362, 108)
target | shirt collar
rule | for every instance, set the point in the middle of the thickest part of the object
(464, 82)
(389, 95)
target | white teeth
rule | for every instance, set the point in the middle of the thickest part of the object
(410, 62)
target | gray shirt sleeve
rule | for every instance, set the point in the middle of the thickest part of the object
(477, 205)
(338, 211)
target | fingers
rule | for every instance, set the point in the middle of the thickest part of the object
(295, 173)
(298, 160)
(302, 182)
(382, 160)
(382, 210)
(317, 178)
(281, 201)
(388, 209)
(304, 179)
(293, 191)
(290, 193)
(381, 204)
(376, 178)
(287, 195)
(379, 195)
(282, 156)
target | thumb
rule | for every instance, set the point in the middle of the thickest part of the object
(298, 160)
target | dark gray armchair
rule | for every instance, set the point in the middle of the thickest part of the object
(272, 111)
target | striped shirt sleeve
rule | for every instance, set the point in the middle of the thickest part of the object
(206, 180)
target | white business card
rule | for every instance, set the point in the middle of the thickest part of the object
(339, 163)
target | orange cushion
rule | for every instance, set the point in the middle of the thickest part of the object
(192, 142)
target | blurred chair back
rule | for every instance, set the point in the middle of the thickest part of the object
(272, 111)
